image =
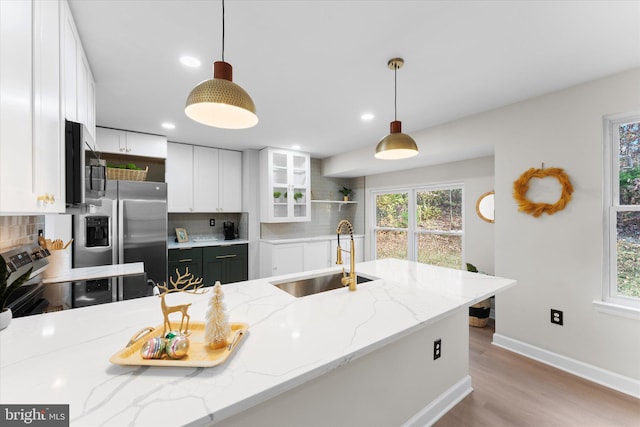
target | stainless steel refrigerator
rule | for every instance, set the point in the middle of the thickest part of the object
(128, 225)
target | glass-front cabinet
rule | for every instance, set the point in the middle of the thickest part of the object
(286, 190)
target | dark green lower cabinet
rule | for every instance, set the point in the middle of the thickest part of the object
(181, 259)
(227, 264)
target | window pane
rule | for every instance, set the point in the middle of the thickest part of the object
(629, 158)
(445, 251)
(628, 254)
(439, 210)
(391, 244)
(392, 210)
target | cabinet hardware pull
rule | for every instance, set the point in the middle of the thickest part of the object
(225, 256)
(186, 260)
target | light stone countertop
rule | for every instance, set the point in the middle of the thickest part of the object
(172, 244)
(310, 239)
(63, 357)
(98, 272)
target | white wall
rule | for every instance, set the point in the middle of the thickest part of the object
(556, 259)
(477, 177)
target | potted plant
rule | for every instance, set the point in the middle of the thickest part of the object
(276, 195)
(6, 289)
(345, 193)
(297, 196)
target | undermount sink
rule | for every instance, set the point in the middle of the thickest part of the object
(303, 286)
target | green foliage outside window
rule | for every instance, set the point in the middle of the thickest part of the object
(628, 222)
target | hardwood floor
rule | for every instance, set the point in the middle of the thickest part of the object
(512, 390)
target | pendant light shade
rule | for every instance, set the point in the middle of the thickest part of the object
(396, 145)
(220, 102)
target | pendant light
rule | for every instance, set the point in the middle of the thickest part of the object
(219, 102)
(396, 145)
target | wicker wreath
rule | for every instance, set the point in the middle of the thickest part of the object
(521, 186)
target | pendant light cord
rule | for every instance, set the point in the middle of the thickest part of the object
(395, 93)
(222, 30)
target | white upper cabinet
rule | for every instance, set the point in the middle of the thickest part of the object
(285, 195)
(203, 179)
(230, 181)
(179, 177)
(79, 84)
(206, 185)
(31, 134)
(131, 143)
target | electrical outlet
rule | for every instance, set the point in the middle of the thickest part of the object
(212, 222)
(437, 349)
(556, 317)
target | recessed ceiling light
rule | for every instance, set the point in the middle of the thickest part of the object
(367, 117)
(295, 147)
(168, 125)
(190, 61)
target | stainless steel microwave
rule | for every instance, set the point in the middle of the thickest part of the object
(85, 173)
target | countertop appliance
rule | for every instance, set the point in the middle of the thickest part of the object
(129, 225)
(85, 173)
(27, 299)
(229, 229)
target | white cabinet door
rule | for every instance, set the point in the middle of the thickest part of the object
(211, 178)
(179, 177)
(91, 105)
(111, 140)
(48, 136)
(31, 179)
(285, 195)
(316, 255)
(131, 143)
(82, 84)
(287, 259)
(205, 179)
(79, 92)
(230, 180)
(71, 49)
(146, 145)
(16, 182)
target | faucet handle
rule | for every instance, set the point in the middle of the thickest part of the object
(344, 279)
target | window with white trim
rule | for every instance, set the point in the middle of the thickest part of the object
(622, 211)
(423, 224)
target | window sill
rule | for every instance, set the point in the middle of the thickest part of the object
(617, 309)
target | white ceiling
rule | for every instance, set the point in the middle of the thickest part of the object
(313, 67)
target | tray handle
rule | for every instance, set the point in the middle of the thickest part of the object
(138, 335)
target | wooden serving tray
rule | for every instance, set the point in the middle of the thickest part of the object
(199, 355)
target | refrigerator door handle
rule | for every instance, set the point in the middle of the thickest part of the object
(119, 282)
(120, 230)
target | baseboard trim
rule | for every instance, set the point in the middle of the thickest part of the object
(592, 373)
(431, 413)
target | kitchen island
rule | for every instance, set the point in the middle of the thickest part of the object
(337, 357)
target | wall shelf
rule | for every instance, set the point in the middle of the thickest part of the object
(340, 203)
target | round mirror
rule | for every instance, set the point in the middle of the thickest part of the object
(484, 207)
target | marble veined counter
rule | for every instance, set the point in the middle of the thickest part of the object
(98, 272)
(203, 241)
(63, 357)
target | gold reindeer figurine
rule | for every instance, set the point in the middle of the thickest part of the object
(187, 280)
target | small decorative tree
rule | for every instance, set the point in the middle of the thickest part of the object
(217, 325)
